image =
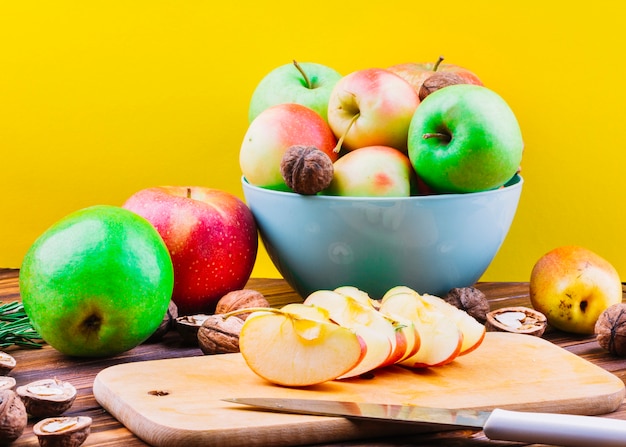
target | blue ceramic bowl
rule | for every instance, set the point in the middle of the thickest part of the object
(429, 243)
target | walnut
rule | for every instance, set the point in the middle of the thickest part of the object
(519, 320)
(7, 363)
(438, 81)
(13, 416)
(306, 169)
(610, 329)
(47, 397)
(471, 300)
(220, 334)
(188, 325)
(63, 431)
(241, 299)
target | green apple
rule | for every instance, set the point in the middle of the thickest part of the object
(464, 138)
(306, 83)
(97, 282)
(572, 286)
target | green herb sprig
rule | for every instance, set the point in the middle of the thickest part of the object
(16, 328)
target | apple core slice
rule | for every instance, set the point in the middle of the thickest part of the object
(289, 350)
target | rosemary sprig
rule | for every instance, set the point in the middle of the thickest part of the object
(16, 328)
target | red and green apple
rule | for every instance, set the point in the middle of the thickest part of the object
(373, 171)
(415, 73)
(275, 130)
(371, 107)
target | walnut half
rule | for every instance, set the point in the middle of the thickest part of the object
(62, 431)
(47, 397)
(519, 320)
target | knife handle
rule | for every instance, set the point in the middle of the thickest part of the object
(556, 429)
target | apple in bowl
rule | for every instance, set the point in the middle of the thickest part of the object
(305, 83)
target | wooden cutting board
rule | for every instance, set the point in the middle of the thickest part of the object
(176, 402)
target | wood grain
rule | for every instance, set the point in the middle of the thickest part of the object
(107, 431)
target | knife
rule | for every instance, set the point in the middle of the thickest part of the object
(502, 425)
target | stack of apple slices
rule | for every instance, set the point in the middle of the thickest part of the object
(343, 333)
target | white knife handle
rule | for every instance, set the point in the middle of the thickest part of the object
(555, 429)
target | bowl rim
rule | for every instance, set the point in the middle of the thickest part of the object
(514, 182)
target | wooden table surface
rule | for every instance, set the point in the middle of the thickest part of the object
(35, 364)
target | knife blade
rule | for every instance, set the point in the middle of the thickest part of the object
(502, 425)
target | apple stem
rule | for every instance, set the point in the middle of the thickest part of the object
(439, 61)
(340, 142)
(189, 193)
(303, 73)
(442, 136)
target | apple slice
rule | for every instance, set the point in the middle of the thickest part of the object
(359, 295)
(377, 332)
(289, 350)
(473, 331)
(407, 339)
(441, 339)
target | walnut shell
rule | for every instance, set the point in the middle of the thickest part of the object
(471, 300)
(62, 431)
(7, 383)
(13, 416)
(610, 329)
(438, 81)
(188, 325)
(7, 363)
(47, 397)
(519, 320)
(306, 169)
(220, 335)
(241, 299)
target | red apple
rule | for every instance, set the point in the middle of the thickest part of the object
(211, 236)
(372, 107)
(275, 130)
(416, 72)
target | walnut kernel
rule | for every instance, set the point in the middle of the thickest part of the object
(241, 299)
(438, 81)
(220, 334)
(610, 329)
(471, 300)
(306, 169)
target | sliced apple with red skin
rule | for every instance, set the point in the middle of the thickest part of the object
(473, 331)
(441, 339)
(377, 332)
(407, 338)
(289, 350)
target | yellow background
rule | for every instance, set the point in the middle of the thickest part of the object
(99, 99)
